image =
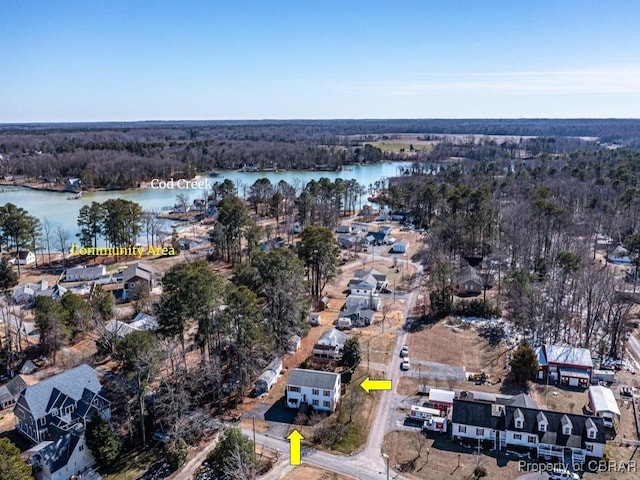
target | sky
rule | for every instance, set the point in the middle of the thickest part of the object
(113, 60)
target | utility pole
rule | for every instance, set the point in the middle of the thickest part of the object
(254, 439)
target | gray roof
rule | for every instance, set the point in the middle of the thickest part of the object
(522, 400)
(12, 388)
(313, 379)
(568, 355)
(468, 274)
(137, 270)
(72, 383)
(333, 337)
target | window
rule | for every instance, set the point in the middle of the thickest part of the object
(462, 429)
(327, 403)
(315, 391)
(542, 427)
(592, 433)
(42, 420)
(294, 389)
(532, 439)
(517, 436)
(589, 447)
(479, 432)
(566, 430)
(81, 447)
(518, 423)
(54, 411)
(326, 393)
(68, 410)
(316, 402)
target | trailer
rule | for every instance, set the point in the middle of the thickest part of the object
(423, 413)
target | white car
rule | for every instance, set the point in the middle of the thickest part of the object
(563, 474)
(405, 351)
(405, 365)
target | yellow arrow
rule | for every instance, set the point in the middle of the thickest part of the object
(294, 446)
(368, 385)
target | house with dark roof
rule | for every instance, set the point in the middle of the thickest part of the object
(10, 391)
(313, 389)
(546, 434)
(25, 257)
(565, 364)
(469, 281)
(53, 414)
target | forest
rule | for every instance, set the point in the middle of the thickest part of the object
(121, 155)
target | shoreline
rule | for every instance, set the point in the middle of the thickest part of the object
(144, 185)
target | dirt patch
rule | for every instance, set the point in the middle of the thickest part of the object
(305, 472)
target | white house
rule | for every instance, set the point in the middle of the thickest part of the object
(603, 404)
(77, 274)
(25, 257)
(313, 388)
(547, 434)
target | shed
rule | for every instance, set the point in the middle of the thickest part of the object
(400, 247)
(441, 399)
(293, 344)
(269, 376)
(603, 404)
(28, 367)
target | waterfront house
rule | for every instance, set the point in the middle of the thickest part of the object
(25, 257)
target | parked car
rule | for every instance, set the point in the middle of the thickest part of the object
(563, 474)
(405, 351)
(160, 437)
(405, 365)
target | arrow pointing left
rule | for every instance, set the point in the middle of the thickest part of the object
(294, 446)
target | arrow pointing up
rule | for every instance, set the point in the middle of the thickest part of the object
(294, 446)
(368, 385)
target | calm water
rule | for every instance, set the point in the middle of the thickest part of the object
(59, 210)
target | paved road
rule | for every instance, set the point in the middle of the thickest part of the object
(356, 466)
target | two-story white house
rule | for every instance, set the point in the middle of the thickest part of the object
(313, 388)
(547, 434)
(53, 415)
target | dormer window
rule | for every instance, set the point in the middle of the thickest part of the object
(542, 422)
(592, 430)
(567, 426)
(518, 418)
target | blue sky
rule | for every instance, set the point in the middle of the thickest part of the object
(117, 60)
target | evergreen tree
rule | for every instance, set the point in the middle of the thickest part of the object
(524, 364)
(8, 278)
(12, 467)
(351, 354)
(102, 440)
